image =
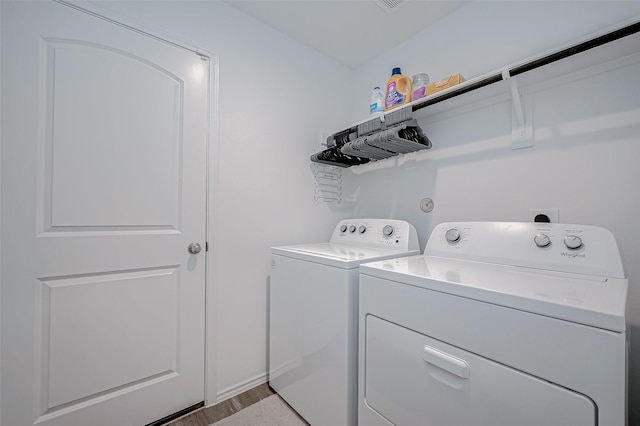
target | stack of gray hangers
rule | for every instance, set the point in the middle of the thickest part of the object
(400, 139)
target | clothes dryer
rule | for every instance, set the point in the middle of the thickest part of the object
(497, 324)
(313, 327)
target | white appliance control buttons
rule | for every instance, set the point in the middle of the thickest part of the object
(362, 229)
(352, 229)
(573, 242)
(388, 230)
(542, 240)
(343, 228)
(453, 235)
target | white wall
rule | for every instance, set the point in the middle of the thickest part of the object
(587, 136)
(275, 101)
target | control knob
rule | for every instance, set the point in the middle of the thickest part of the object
(573, 242)
(343, 228)
(388, 230)
(542, 240)
(362, 229)
(453, 235)
(352, 229)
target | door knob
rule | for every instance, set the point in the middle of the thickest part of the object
(194, 248)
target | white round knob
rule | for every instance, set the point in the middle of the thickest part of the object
(388, 230)
(573, 242)
(362, 229)
(542, 240)
(352, 229)
(343, 228)
(453, 235)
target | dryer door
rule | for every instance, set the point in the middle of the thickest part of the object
(411, 379)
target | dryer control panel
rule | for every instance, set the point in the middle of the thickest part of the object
(384, 233)
(582, 249)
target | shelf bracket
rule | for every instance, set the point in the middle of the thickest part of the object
(521, 118)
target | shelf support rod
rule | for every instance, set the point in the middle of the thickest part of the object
(515, 97)
(521, 119)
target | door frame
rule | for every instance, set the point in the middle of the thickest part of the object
(212, 175)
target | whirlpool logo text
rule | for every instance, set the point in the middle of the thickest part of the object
(567, 254)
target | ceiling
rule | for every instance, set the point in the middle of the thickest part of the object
(350, 31)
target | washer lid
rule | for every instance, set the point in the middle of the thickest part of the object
(586, 299)
(338, 255)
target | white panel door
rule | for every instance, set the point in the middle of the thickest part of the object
(104, 134)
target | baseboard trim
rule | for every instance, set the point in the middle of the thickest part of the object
(241, 387)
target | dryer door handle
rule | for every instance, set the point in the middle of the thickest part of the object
(447, 362)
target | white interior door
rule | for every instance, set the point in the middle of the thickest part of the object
(104, 137)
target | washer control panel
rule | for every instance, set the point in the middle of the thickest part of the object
(390, 233)
(554, 246)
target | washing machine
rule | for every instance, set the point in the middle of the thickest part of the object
(313, 327)
(497, 324)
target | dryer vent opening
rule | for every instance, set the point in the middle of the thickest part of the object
(543, 218)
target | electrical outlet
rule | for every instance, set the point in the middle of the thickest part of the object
(552, 214)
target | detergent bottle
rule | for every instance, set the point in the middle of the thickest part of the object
(377, 101)
(398, 90)
(419, 86)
